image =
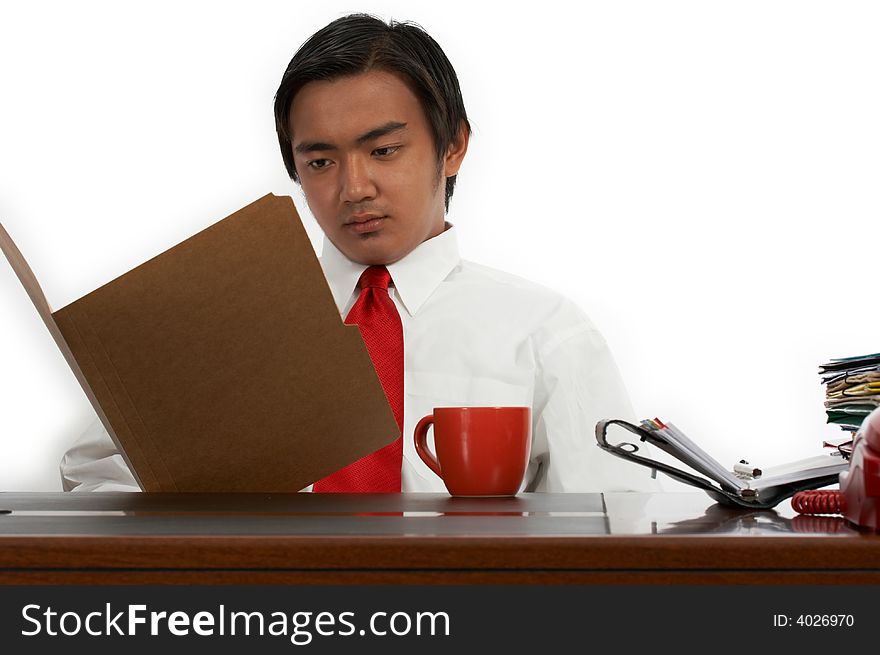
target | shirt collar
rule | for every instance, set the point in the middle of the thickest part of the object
(416, 276)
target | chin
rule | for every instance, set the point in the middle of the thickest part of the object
(371, 257)
(371, 251)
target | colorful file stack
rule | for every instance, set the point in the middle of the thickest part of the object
(852, 389)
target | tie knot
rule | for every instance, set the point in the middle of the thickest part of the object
(375, 276)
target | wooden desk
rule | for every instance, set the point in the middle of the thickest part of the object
(678, 538)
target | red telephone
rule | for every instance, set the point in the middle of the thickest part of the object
(859, 496)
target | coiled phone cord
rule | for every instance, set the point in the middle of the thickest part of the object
(810, 503)
(819, 502)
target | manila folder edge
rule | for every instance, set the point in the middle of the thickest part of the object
(222, 364)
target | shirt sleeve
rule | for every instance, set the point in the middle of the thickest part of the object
(94, 463)
(577, 384)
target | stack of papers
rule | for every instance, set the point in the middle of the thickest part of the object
(852, 389)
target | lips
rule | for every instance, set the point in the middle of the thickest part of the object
(363, 223)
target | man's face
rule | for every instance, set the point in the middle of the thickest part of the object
(365, 157)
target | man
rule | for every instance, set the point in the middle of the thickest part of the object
(371, 123)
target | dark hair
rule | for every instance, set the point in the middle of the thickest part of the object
(359, 43)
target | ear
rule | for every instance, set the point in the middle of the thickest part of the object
(456, 151)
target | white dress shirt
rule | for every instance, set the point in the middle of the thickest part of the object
(472, 336)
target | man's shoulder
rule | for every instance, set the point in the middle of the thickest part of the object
(541, 303)
(473, 272)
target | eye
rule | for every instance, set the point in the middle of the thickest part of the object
(318, 164)
(386, 151)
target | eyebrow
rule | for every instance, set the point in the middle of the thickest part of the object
(375, 133)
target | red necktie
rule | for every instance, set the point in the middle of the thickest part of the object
(376, 316)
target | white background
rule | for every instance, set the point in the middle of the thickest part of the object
(700, 176)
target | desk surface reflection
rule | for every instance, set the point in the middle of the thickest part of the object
(421, 538)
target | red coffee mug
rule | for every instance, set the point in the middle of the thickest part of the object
(481, 451)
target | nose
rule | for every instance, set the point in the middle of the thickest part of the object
(356, 180)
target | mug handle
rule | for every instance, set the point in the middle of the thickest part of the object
(421, 439)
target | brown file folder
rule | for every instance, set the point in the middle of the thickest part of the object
(222, 364)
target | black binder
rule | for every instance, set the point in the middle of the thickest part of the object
(758, 497)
